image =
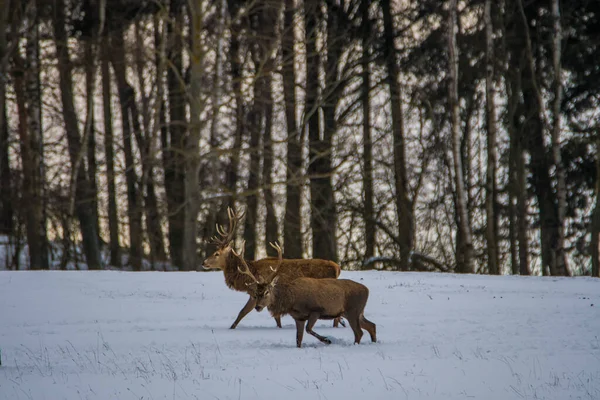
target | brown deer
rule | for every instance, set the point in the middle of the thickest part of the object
(309, 299)
(226, 260)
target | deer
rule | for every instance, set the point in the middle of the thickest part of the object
(308, 300)
(226, 260)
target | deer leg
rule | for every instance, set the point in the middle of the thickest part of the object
(369, 327)
(299, 332)
(244, 311)
(278, 321)
(312, 319)
(355, 325)
(339, 321)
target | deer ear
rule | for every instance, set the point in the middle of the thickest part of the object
(274, 281)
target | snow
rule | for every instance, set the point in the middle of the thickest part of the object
(157, 335)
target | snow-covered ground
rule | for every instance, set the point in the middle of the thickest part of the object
(120, 335)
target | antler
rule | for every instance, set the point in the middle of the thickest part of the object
(226, 236)
(246, 270)
(276, 246)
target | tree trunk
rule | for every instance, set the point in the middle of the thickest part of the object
(322, 215)
(403, 202)
(192, 161)
(255, 126)
(6, 192)
(90, 126)
(595, 249)
(145, 142)
(491, 231)
(235, 60)
(267, 19)
(213, 162)
(561, 190)
(174, 149)
(33, 99)
(368, 214)
(29, 198)
(271, 229)
(326, 221)
(76, 149)
(255, 122)
(126, 98)
(522, 214)
(518, 174)
(553, 255)
(465, 245)
(292, 226)
(113, 218)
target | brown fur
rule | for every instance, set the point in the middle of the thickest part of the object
(289, 270)
(308, 299)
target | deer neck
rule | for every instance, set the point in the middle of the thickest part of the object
(282, 300)
(233, 278)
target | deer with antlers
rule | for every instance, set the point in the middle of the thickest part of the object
(225, 259)
(308, 300)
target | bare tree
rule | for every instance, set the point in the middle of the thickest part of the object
(403, 202)
(75, 145)
(561, 190)
(113, 219)
(367, 136)
(553, 255)
(323, 213)
(6, 209)
(267, 18)
(465, 244)
(126, 99)
(145, 140)
(491, 231)
(174, 147)
(90, 59)
(235, 61)
(192, 161)
(292, 226)
(595, 249)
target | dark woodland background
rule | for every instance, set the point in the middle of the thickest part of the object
(414, 135)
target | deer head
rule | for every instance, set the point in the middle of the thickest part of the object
(262, 288)
(224, 242)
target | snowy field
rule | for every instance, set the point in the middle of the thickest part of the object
(119, 335)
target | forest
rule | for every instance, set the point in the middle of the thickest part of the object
(450, 136)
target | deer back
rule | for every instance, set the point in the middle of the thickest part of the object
(296, 268)
(329, 297)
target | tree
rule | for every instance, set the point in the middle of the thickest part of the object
(491, 194)
(145, 139)
(192, 160)
(292, 225)
(6, 208)
(403, 202)
(126, 99)
(174, 147)
(369, 216)
(75, 144)
(113, 219)
(464, 253)
(267, 18)
(561, 191)
(553, 256)
(323, 218)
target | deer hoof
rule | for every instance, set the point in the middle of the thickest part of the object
(328, 341)
(232, 326)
